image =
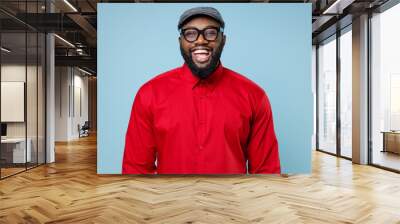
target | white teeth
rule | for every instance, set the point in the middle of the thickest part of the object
(200, 51)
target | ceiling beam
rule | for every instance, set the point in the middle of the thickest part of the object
(84, 61)
(337, 6)
(83, 23)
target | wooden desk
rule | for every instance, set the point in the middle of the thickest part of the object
(13, 150)
(391, 141)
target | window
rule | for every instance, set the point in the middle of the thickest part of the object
(385, 89)
(327, 96)
(346, 92)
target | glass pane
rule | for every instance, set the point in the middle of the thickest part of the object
(41, 98)
(13, 86)
(386, 89)
(31, 84)
(31, 101)
(346, 93)
(314, 93)
(22, 74)
(327, 96)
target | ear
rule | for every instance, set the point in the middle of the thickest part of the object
(223, 40)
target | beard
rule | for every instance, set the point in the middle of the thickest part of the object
(203, 73)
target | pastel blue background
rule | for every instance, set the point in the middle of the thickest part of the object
(268, 43)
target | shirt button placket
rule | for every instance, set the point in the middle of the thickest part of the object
(203, 116)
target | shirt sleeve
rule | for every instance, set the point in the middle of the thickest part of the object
(263, 155)
(140, 148)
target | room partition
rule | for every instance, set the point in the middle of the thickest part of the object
(22, 89)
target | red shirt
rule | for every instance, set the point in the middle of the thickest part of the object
(194, 126)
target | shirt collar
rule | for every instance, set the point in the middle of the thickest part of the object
(188, 76)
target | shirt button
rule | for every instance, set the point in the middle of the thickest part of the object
(201, 147)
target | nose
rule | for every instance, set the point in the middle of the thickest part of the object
(201, 40)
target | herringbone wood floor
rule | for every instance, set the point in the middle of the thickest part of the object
(70, 191)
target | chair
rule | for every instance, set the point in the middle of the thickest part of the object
(84, 130)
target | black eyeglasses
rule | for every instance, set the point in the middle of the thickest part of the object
(209, 33)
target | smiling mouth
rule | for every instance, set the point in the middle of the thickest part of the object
(201, 55)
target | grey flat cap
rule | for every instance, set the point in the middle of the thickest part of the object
(201, 11)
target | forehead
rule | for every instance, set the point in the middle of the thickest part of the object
(201, 22)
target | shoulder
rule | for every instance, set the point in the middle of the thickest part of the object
(254, 94)
(242, 82)
(163, 79)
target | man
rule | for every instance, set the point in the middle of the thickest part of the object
(201, 118)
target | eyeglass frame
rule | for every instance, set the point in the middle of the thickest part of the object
(201, 32)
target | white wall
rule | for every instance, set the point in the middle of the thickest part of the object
(16, 72)
(71, 94)
(62, 81)
(33, 127)
(81, 103)
(9, 73)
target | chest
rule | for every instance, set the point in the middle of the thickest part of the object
(202, 109)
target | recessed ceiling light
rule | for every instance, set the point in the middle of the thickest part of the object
(70, 5)
(84, 71)
(5, 50)
(64, 40)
